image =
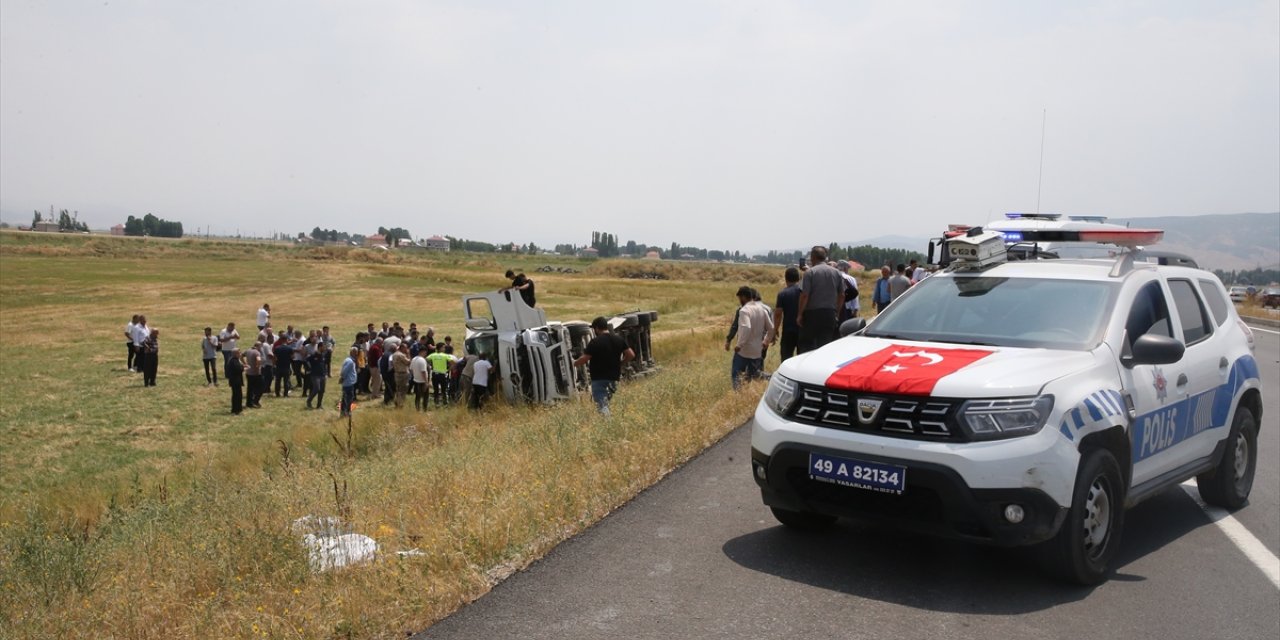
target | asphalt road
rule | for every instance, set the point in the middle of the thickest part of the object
(699, 556)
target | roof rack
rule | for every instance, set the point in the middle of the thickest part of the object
(1032, 216)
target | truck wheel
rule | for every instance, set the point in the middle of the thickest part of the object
(802, 520)
(1085, 545)
(1229, 484)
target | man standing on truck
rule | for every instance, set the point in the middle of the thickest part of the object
(524, 285)
(604, 356)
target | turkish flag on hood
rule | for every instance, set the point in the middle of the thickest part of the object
(905, 370)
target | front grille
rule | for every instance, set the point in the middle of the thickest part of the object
(897, 416)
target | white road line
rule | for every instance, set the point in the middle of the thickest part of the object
(1252, 547)
(1253, 328)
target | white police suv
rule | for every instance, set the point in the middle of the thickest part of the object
(1019, 403)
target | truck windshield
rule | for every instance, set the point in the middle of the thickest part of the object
(1009, 312)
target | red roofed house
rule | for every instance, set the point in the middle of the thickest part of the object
(375, 240)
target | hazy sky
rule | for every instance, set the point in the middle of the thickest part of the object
(730, 124)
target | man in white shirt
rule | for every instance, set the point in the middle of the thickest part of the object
(917, 272)
(128, 341)
(140, 334)
(264, 316)
(480, 380)
(418, 372)
(228, 337)
(755, 330)
(851, 306)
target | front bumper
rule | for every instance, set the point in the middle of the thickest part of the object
(957, 490)
(936, 500)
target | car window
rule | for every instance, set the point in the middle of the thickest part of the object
(1149, 314)
(1196, 325)
(1050, 313)
(1219, 304)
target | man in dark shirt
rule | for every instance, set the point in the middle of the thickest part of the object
(604, 356)
(524, 285)
(785, 311)
(234, 371)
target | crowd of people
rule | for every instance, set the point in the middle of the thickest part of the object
(395, 362)
(392, 363)
(808, 311)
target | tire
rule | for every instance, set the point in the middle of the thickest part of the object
(1229, 484)
(802, 520)
(1084, 547)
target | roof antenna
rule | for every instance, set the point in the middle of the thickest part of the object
(1040, 180)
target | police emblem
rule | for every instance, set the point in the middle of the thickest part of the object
(1161, 385)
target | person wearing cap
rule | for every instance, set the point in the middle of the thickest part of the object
(604, 357)
(851, 307)
(755, 330)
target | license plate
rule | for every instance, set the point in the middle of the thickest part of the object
(873, 476)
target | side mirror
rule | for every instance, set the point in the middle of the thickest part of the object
(930, 260)
(1154, 349)
(852, 326)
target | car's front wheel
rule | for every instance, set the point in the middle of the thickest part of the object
(1229, 484)
(1087, 542)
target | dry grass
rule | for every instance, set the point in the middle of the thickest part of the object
(147, 513)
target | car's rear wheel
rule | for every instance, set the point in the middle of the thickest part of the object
(802, 520)
(1229, 484)
(1087, 542)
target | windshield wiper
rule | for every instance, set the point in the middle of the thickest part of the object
(972, 342)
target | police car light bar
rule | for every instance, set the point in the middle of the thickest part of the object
(1129, 238)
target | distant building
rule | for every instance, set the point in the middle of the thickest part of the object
(653, 255)
(46, 226)
(117, 230)
(590, 252)
(375, 240)
(437, 243)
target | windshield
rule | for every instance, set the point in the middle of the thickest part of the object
(1006, 312)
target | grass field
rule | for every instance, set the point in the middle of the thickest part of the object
(152, 512)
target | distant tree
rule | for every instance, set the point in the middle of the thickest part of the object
(395, 235)
(150, 225)
(35, 219)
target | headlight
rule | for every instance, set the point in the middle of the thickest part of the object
(780, 395)
(1005, 418)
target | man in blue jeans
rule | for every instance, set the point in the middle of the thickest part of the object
(755, 330)
(604, 356)
(347, 376)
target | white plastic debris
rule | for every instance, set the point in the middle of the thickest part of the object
(319, 525)
(335, 552)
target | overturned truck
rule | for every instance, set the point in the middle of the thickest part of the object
(533, 358)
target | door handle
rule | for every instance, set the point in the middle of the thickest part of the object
(1182, 379)
(1223, 364)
